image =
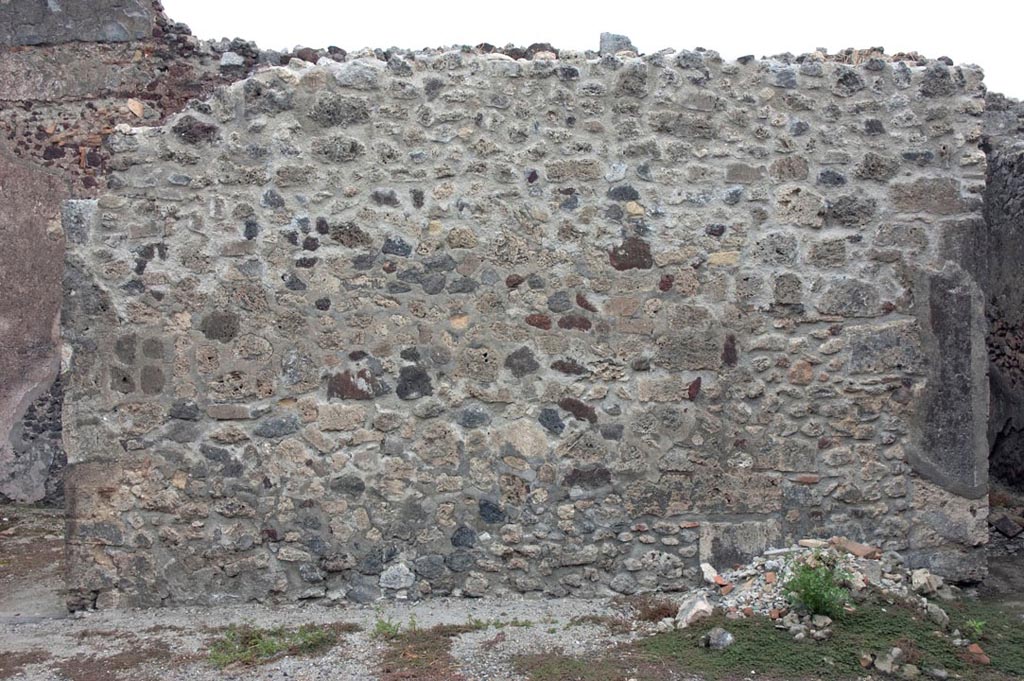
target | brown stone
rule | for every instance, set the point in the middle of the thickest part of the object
(788, 169)
(582, 301)
(935, 195)
(229, 412)
(578, 409)
(351, 385)
(693, 389)
(1005, 525)
(575, 322)
(541, 321)
(729, 354)
(340, 417)
(856, 548)
(632, 254)
(741, 173)
(570, 367)
(976, 655)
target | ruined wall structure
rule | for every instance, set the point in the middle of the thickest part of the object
(70, 72)
(454, 323)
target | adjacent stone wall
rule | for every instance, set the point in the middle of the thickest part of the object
(1000, 276)
(454, 323)
(61, 94)
(30, 281)
(49, 22)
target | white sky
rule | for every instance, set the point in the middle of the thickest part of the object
(983, 32)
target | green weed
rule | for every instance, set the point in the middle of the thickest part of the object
(817, 588)
(250, 645)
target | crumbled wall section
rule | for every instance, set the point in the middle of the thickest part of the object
(459, 324)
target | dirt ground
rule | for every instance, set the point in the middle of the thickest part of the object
(39, 641)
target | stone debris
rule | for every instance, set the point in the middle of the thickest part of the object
(717, 639)
(1007, 526)
(758, 588)
(695, 607)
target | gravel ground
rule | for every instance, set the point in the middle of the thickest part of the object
(39, 641)
(171, 643)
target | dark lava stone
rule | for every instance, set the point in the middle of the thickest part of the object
(473, 417)
(349, 484)
(521, 362)
(220, 326)
(464, 537)
(459, 561)
(396, 245)
(551, 420)
(490, 512)
(413, 383)
(559, 301)
(185, 410)
(831, 178)
(623, 192)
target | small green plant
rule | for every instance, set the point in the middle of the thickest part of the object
(249, 645)
(975, 628)
(516, 622)
(474, 623)
(385, 628)
(412, 622)
(816, 586)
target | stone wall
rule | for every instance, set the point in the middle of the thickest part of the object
(61, 94)
(50, 22)
(453, 323)
(1000, 277)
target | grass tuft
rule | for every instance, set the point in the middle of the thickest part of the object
(250, 645)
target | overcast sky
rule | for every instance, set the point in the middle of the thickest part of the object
(980, 32)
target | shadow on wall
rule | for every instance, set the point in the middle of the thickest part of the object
(1004, 217)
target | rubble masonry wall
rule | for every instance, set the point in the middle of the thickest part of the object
(455, 323)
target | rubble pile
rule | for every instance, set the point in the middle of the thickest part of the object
(758, 589)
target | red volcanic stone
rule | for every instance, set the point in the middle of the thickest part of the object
(580, 410)
(632, 254)
(514, 280)
(351, 386)
(729, 355)
(694, 389)
(570, 367)
(574, 321)
(582, 301)
(541, 321)
(667, 280)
